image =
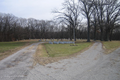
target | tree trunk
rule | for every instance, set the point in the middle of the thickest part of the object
(95, 31)
(101, 34)
(74, 33)
(111, 35)
(107, 35)
(88, 34)
(70, 33)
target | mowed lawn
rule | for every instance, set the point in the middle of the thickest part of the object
(59, 50)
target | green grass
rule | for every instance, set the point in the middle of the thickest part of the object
(5, 46)
(59, 50)
(8, 48)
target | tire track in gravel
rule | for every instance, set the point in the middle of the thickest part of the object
(92, 64)
(18, 65)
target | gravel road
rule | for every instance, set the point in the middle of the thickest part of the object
(92, 64)
(18, 65)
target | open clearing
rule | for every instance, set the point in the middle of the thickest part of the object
(48, 53)
(91, 64)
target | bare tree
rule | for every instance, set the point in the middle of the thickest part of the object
(106, 14)
(70, 15)
(112, 16)
(87, 10)
(103, 21)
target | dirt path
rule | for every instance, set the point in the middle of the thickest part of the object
(90, 65)
(18, 65)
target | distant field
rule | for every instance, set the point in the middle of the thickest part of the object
(110, 46)
(7, 48)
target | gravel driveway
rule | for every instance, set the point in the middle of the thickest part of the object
(18, 65)
(92, 64)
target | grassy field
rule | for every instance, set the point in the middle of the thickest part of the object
(5, 46)
(8, 48)
(59, 50)
(110, 46)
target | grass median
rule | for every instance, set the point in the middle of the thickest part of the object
(110, 46)
(48, 53)
(59, 50)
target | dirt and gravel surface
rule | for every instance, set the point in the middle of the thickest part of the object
(92, 64)
(18, 65)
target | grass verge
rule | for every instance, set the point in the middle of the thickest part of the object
(59, 50)
(8, 48)
(48, 53)
(110, 46)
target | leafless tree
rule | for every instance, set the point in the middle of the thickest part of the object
(70, 15)
(87, 10)
(106, 14)
(112, 17)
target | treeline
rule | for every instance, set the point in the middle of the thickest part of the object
(103, 17)
(103, 23)
(13, 28)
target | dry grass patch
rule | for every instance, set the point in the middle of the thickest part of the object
(8, 48)
(110, 46)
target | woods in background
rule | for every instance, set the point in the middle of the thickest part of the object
(103, 23)
(102, 15)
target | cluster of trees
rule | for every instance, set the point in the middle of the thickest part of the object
(103, 16)
(13, 28)
(103, 21)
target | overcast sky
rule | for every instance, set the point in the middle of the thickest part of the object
(38, 9)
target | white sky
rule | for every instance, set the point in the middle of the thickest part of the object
(38, 9)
